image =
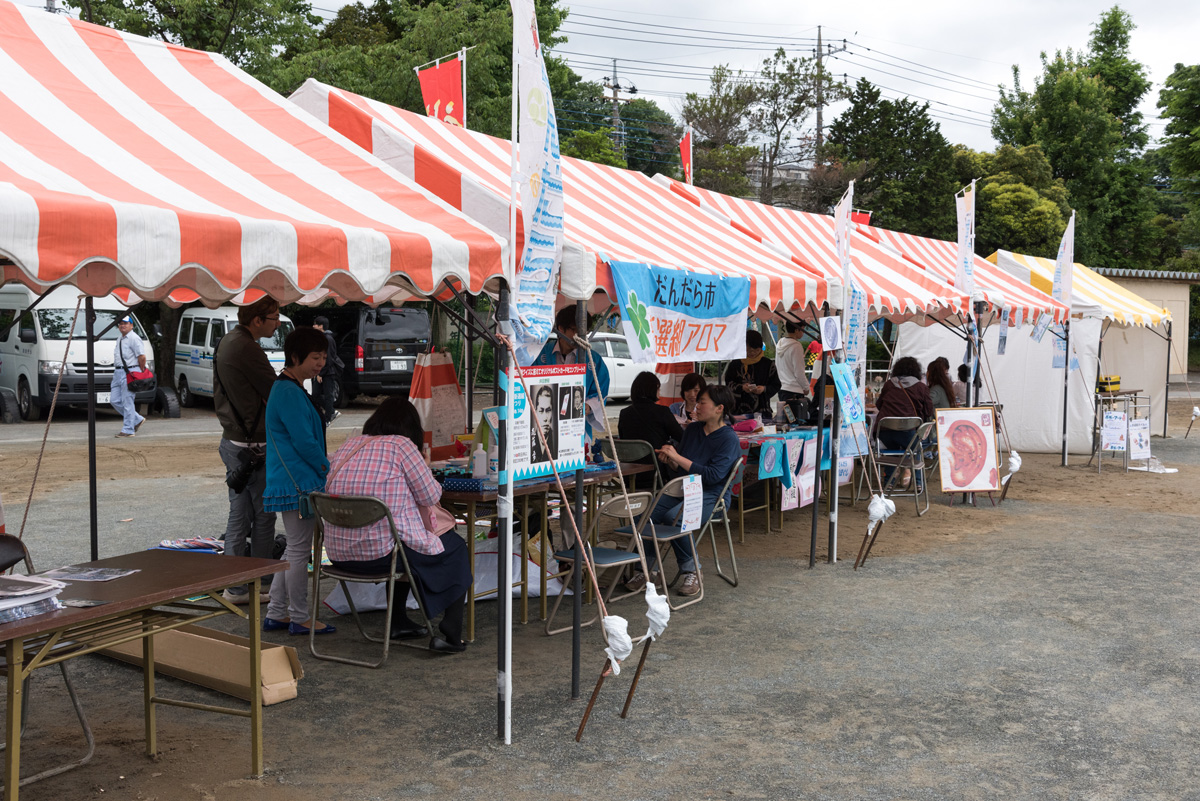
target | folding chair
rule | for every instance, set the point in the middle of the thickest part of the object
(709, 526)
(660, 533)
(359, 511)
(603, 558)
(913, 458)
(633, 450)
(892, 424)
(741, 500)
(12, 552)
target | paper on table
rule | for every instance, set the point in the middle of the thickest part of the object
(78, 573)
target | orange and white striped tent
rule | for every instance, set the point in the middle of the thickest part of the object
(130, 164)
(993, 286)
(895, 289)
(609, 213)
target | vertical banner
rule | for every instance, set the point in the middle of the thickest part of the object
(1003, 344)
(540, 180)
(1064, 265)
(854, 314)
(441, 90)
(677, 316)
(964, 276)
(685, 154)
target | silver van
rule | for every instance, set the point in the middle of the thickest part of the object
(200, 330)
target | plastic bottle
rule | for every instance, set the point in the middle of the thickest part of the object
(479, 462)
(493, 470)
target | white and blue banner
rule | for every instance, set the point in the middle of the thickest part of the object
(1064, 266)
(540, 180)
(964, 274)
(677, 316)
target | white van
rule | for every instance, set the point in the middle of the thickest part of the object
(200, 330)
(34, 349)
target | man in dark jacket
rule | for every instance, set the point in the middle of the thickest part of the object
(242, 381)
(330, 379)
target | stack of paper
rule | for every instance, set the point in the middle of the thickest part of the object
(26, 596)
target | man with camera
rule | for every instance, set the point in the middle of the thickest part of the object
(242, 381)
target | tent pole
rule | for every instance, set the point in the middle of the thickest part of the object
(90, 322)
(581, 325)
(1095, 394)
(504, 508)
(1167, 385)
(1066, 387)
(469, 369)
(819, 399)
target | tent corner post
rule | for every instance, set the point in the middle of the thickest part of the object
(1167, 386)
(93, 506)
(581, 324)
(1066, 386)
(504, 507)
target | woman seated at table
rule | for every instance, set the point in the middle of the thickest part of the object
(385, 462)
(903, 395)
(941, 388)
(689, 389)
(645, 419)
(710, 449)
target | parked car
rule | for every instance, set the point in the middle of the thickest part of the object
(200, 330)
(378, 346)
(33, 350)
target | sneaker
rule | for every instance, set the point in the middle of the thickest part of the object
(336, 415)
(139, 425)
(638, 582)
(243, 598)
(690, 585)
(121, 434)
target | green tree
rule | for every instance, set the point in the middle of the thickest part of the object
(248, 32)
(787, 94)
(594, 146)
(1020, 205)
(651, 138)
(720, 122)
(908, 180)
(724, 169)
(1180, 102)
(1082, 113)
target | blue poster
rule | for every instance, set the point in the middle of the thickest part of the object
(772, 455)
(677, 316)
(853, 412)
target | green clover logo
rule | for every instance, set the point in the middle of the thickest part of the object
(635, 313)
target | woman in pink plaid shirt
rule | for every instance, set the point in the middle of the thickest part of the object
(385, 462)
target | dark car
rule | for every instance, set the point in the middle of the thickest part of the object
(378, 346)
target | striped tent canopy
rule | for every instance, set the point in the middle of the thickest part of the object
(609, 213)
(993, 286)
(131, 164)
(895, 289)
(1093, 295)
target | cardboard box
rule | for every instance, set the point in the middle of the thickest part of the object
(218, 661)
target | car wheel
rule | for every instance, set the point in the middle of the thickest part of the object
(30, 411)
(339, 395)
(165, 403)
(8, 406)
(186, 398)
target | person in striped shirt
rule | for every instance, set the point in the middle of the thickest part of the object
(385, 462)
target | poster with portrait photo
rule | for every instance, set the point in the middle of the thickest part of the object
(549, 426)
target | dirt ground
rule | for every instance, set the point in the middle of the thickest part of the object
(1044, 648)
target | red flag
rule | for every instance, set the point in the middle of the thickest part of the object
(860, 217)
(441, 89)
(685, 155)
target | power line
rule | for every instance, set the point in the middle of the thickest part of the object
(724, 46)
(970, 82)
(914, 80)
(724, 35)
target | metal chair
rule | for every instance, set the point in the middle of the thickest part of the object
(359, 511)
(709, 527)
(12, 552)
(913, 458)
(765, 506)
(659, 533)
(892, 424)
(603, 558)
(633, 450)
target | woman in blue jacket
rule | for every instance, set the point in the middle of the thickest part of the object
(296, 464)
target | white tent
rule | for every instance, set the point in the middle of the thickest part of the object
(1024, 381)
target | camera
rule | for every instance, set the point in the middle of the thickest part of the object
(249, 460)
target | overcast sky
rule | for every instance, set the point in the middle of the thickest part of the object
(951, 53)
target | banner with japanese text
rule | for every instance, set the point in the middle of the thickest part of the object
(441, 90)
(677, 316)
(964, 275)
(1064, 278)
(540, 180)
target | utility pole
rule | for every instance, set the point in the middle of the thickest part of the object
(821, 53)
(614, 83)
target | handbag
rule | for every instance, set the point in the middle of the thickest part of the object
(136, 380)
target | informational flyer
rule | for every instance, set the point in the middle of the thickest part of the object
(1039, 328)
(790, 498)
(1139, 439)
(1114, 432)
(693, 503)
(549, 423)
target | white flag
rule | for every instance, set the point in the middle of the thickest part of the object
(964, 276)
(540, 181)
(1064, 266)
